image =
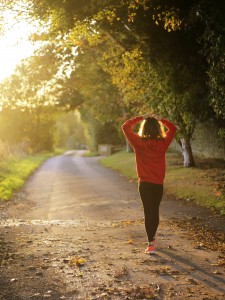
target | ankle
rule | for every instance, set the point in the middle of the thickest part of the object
(152, 242)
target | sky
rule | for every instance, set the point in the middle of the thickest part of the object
(14, 45)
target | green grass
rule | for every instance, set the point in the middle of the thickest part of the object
(59, 151)
(14, 174)
(203, 186)
(90, 153)
(123, 162)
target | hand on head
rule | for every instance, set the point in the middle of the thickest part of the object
(156, 116)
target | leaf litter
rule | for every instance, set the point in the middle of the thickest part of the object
(205, 236)
(129, 292)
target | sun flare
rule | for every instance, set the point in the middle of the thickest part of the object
(14, 44)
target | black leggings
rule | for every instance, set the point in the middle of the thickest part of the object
(151, 195)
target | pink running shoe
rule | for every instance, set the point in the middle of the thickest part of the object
(151, 248)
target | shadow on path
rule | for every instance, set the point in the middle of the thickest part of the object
(199, 273)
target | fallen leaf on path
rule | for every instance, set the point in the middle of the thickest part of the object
(192, 281)
(167, 270)
(121, 272)
(78, 273)
(220, 263)
(135, 250)
(132, 292)
(200, 247)
(128, 222)
(129, 242)
(75, 261)
(217, 273)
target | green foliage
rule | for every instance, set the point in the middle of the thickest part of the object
(30, 99)
(210, 14)
(28, 86)
(98, 132)
(133, 56)
(13, 177)
(101, 103)
(142, 64)
(69, 131)
(101, 98)
(34, 127)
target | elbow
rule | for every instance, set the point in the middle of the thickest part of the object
(123, 128)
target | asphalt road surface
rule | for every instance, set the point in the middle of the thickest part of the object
(76, 231)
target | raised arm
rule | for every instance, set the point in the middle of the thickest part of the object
(170, 132)
(134, 139)
(127, 128)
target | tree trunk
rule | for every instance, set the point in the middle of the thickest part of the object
(128, 146)
(187, 153)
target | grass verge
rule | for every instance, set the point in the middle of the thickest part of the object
(203, 185)
(14, 174)
(90, 153)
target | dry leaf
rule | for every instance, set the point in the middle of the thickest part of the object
(129, 241)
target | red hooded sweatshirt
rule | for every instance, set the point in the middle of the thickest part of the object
(149, 154)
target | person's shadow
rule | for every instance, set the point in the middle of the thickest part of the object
(199, 273)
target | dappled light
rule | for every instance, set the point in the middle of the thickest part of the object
(111, 70)
(71, 73)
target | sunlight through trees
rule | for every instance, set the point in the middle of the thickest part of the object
(107, 58)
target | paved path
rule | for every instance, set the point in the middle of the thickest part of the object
(76, 232)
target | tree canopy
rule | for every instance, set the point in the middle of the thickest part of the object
(133, 56)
